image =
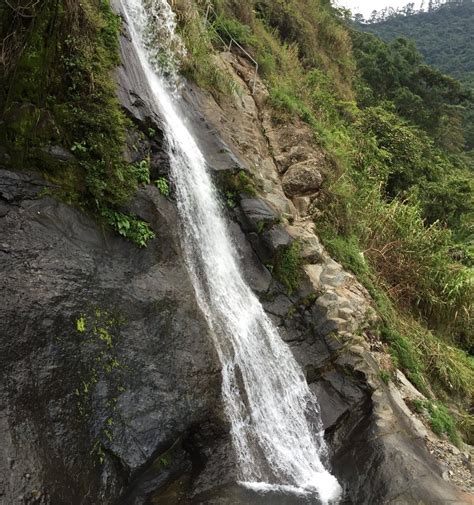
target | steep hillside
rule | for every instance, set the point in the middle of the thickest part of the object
(386, 167)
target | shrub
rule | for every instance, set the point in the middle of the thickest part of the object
(163, 186)
(199, 63)
(287, 266)
(229, 28)
(441, 421)
(130, 227)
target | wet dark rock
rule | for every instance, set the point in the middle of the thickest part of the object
(276, 239)
(17, 186)
(3, 209)
(270, 243)
(257, 276)
(256, 214)
(280, 306)
(62, 401)
(219, 157)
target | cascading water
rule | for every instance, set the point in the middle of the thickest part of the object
(275, 420)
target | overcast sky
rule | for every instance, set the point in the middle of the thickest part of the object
(365, 7)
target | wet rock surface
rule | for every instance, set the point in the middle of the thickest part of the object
(101, 345)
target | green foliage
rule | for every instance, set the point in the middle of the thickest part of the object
(396, 73)
(465, 424)
(411, 166)
(63, 78)
(229, 28)
(99, 338)
(287, 266)
(141, 171)
(442, 35)
(230, 199)
(385, 376)
(232, 184)
(81, 324)
(406, 356)
(199, 63)
(424, 357)
(410, 259)
(441, 421)
(162, 184)
(130, 227)
(314, 27)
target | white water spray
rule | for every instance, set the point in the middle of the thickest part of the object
(275, 420)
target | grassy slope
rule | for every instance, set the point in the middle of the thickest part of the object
(423, 295)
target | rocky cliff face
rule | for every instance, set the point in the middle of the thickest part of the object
(111, 387)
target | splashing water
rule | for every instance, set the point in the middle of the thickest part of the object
(275, 420)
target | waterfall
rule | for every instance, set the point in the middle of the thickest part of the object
(275, 420)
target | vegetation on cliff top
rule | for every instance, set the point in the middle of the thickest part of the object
(57, 94)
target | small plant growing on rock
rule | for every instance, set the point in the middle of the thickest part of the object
(287, 266)
(162, 184)
(440, 420)
(141, 172)
(81, 324)
(230, 199)
(260, 227)
(79, 147)
(385, 376)
(130, 227)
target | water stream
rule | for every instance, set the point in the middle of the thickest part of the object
(275, 419)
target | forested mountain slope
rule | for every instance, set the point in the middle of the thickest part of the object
(444, 36)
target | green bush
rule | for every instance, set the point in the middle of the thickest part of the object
(441, 421)
(232, 184)
(132, 228)
(162, 184)
(287, 266)
(229, 28)
(199, 63)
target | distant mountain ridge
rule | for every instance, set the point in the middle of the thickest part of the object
(445, 36)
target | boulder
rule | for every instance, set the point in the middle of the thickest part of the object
(303, 178)
(256, 214)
